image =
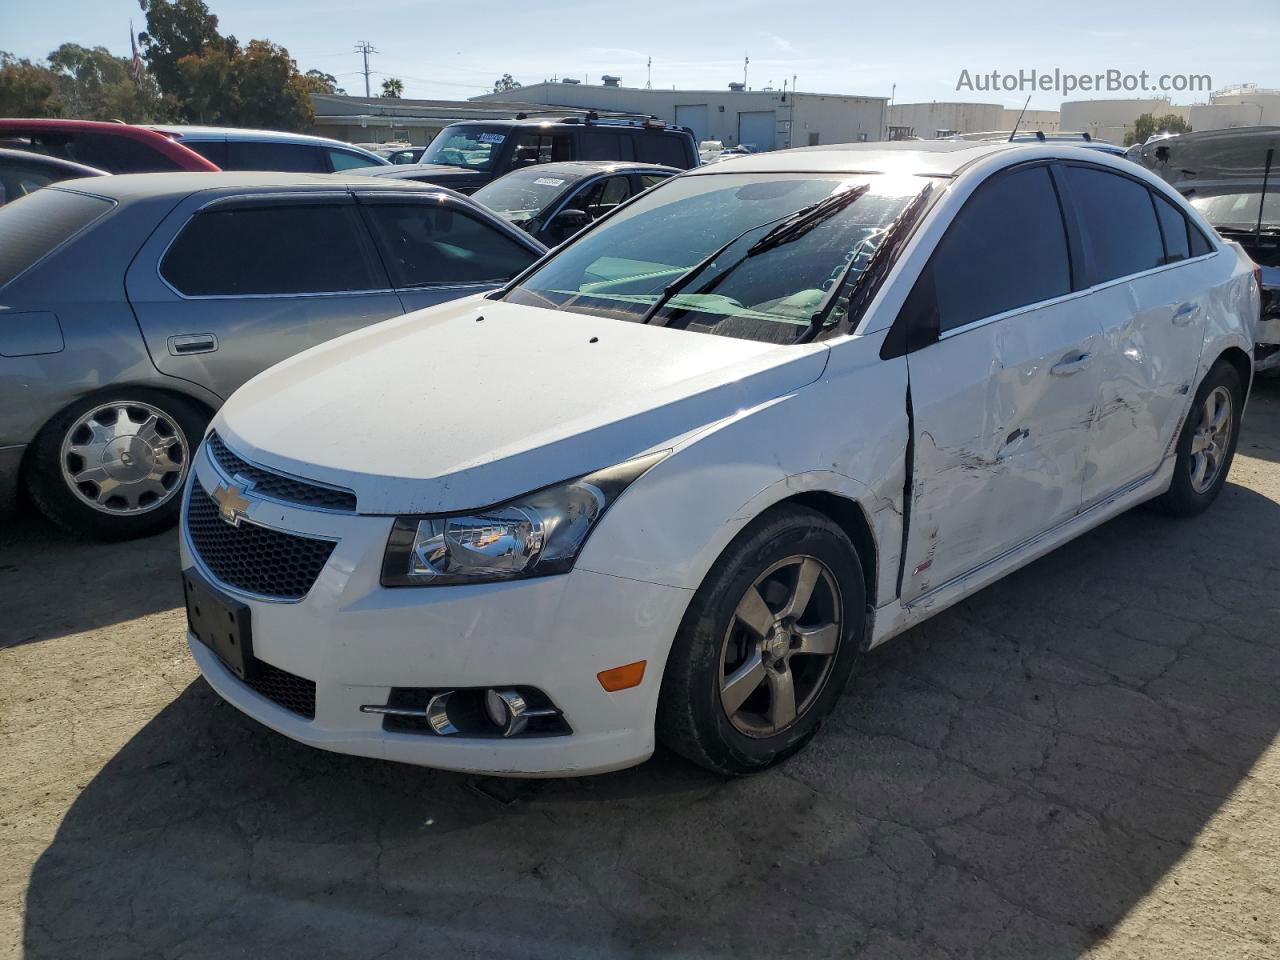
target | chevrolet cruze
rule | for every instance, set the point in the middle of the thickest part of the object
(671, 482)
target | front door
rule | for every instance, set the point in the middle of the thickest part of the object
(1001, 400)
(249, 281)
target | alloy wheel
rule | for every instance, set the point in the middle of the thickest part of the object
(1211, 440)
(124, 457)
(779, 649)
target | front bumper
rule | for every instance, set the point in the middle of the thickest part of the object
(356, 639)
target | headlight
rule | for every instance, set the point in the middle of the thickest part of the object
(532, 536)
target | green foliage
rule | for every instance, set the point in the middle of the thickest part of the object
(505, 84)
(391, 87)
(1147, 125)
(26, 89)
(178, 29)
(318, 81)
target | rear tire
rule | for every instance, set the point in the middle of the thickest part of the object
(766, 645)
(1207, 443)
(112, 466)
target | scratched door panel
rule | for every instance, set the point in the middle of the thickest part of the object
(1000, 436)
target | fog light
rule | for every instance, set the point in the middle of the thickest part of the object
(506, 709)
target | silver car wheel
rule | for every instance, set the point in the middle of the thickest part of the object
(1210, 442)
(124, 457)
(780, 647)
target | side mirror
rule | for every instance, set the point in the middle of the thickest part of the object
(572, 219)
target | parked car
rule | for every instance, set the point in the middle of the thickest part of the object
(113, 147)
(1233, 178)
(553, 201)
(131, 306)
(232, 148)
(471, 153)
(23, 172)
(703, 455)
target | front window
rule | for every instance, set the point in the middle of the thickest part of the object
(521, 196)
(749, 256)
(475, 148)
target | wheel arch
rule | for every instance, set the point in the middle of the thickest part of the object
(850, 517)
(1242, 363)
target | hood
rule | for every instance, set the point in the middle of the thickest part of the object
(1215, 161)
(437, 411)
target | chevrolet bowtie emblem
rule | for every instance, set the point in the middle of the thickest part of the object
(232, 504)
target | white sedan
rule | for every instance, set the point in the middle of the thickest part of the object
(673, 481)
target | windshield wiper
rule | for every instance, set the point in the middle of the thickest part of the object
(788, 227)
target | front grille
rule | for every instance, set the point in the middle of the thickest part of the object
(276, 485)
(269, 563)
(294, 693)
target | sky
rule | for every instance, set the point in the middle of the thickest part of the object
(914, 51)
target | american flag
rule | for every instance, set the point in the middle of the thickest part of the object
(136, 64)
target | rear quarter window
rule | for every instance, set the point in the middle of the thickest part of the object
(668, 149)
(264, 155)
(34, 226)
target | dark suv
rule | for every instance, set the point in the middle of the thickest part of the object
(467, 155)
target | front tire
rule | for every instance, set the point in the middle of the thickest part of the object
(112, 466)
(1207, 443)
(766, 645)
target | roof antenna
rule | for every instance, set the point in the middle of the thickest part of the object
(1266, 179)
(1014, 132)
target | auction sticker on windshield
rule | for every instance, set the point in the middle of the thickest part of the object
(549, 181)
(492, 137)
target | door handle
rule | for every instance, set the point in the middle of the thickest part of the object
(1185, 314)
(193, 343)
(1067, 367)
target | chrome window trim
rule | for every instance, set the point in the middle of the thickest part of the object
(266, 498)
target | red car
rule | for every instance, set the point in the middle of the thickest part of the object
(114, 147)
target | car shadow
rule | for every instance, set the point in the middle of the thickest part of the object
(54, 584)
(1008, 779)
(1261, 435)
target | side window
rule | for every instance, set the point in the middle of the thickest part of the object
(281, 250)
(1007, 248)
(1118, 220)
(648, 180)
(600, 145)
(424, 244)
(346, 160)
(1200, 244)
(533, 148)
(117, 154)
(262, 155)
(600, 198)
(215, 151)
(1174, 227)
(664, 148)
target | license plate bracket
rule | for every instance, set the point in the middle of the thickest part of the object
(220, 622)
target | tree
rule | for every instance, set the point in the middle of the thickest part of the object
(391, 87)
(505, 84)
(92, 84)
(26, 88)
(256, 87)
(318, 81)
(178, 29)
(1147, 125)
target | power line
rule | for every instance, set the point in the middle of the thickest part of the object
(366, 48)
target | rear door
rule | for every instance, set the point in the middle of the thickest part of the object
(1003, 382)
(1151, 300)
(436, 248)
(225, 289)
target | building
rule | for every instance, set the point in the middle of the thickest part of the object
(932, 120)
(1113, 120)
(1244, 105)
(762, 119)
(373, 120)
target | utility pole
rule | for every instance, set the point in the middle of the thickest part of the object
(648, 84)
(746, 62)
(366, 48)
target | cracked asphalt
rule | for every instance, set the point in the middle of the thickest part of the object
(1079, 762)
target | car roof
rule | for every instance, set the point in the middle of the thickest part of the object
(196, 132)
(579, 169)
(604, 123)
(55, 163)
(12, 125)
(926, 157)
(126, 187)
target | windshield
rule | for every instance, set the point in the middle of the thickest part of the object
(1240, 210)
(725, 255)
(523, 195)
(472, 147)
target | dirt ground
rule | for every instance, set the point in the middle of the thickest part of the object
(1081, 761)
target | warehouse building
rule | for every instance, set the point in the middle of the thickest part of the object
(761, 119)
(934, 120)
(1244, 105)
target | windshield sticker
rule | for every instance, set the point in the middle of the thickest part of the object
(550, 182)
(492, 137)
